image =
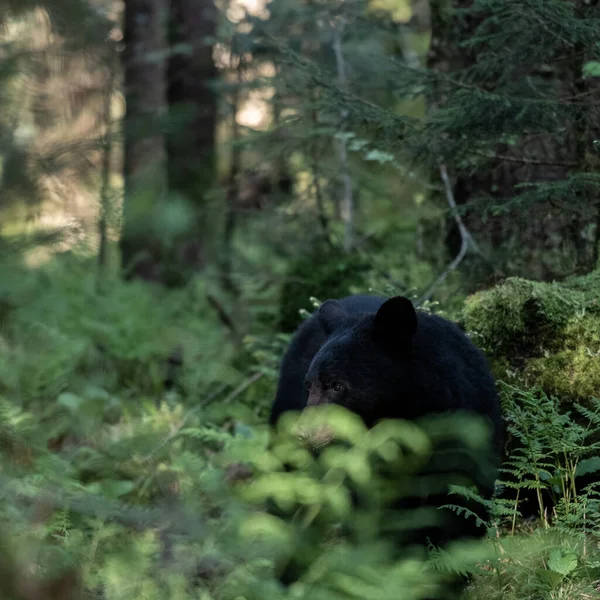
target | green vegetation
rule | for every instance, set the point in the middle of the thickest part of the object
(170, 209)
(322, 273)
(105, 472)
(541, 334)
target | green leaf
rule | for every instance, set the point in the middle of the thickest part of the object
(356, 145)
(110, 488)
(266, 527)
(116, 489)
(72, 402)
(308, 491)
(591, 69)
(338, 500)
(379, 156)
(562, 562)
(551, 577)
(587, 466)
(243, 431)
(345, 136)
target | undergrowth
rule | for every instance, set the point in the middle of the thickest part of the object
(554, 457)
(154, 493)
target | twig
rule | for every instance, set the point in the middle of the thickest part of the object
(242, 387)
(465, 236)
(224, 317)
(464, 232)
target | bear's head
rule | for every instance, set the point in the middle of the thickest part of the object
(366, 359)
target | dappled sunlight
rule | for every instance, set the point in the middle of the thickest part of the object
(256, 110)
(237, 9)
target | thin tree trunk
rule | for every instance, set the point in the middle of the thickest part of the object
(191, 147)
(233, 179)
(347, 197)
(282, 171)
(105, 191)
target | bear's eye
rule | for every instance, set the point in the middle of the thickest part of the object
(336, 386)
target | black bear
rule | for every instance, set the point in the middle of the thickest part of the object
(381, 359)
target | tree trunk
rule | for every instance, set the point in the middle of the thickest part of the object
(193, 113)
(544, 241)
(107, 153)
(168, 66)
(144, 65)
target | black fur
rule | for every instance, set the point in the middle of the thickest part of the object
(391, 370)
(382, 359)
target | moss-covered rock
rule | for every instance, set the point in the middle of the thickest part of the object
(541, 334)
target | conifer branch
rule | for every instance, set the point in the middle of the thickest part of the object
(379, 113)
(533, 11)
(527, 161)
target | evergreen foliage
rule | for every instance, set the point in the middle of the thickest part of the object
(322, 273)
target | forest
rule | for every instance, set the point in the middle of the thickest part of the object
(183, 183)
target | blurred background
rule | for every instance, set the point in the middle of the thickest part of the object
(182, 181)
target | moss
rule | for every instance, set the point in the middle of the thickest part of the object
(501, 368)
(582, 330)
(569, 375)
(541, 334)
(588, 284)
(523, 318)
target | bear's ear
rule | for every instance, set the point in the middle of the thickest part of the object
(395, 324)
(331, 315)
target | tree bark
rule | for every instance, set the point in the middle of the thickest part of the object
(144, 66)
(193, 112)
(107, 154)
(168, 69)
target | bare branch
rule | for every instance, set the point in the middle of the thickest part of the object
(465, 236)
(225, 318)
(242, 387)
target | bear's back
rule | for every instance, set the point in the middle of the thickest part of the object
(454, 372)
